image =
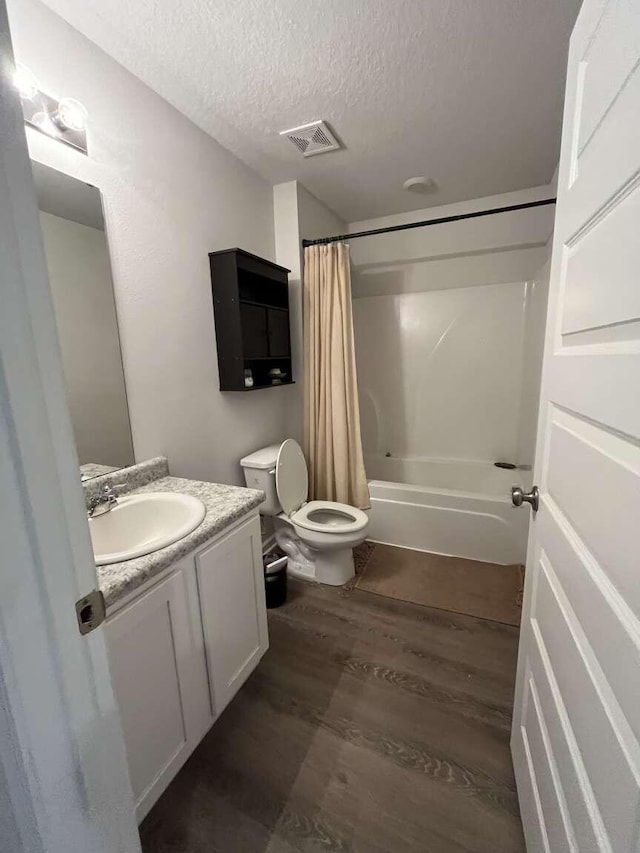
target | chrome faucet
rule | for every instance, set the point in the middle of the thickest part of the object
(105, 501)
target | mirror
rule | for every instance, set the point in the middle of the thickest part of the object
(81, 286)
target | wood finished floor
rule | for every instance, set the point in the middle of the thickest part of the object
(371, 725)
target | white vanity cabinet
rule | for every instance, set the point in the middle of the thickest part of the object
(181, 649)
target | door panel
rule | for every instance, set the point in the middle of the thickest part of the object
(601, 398)
(564, 755)
(549, 788)
(595, 717)
(589, 301)
(601, 130)
(149, 694)
(577, 712)
(231, 585)
(601, 611)
(580, 460)
(610, 59)
(157, 674)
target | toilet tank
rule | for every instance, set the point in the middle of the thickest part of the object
(260, 473)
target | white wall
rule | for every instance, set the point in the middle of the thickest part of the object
(448, 331)
(298, 216)
(80, 280)
(171, 195)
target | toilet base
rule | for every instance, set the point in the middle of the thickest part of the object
(333, 568)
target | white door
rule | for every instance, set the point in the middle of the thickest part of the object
(64, 785)
(576, 729)
(234, 615)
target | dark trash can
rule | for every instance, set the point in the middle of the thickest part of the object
(275, 578)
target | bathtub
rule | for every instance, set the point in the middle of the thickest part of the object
(460, 508)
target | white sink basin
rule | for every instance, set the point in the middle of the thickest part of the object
(141, 524)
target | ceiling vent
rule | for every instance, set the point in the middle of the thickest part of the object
(314, 138)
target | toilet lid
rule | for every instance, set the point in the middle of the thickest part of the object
(292, 477)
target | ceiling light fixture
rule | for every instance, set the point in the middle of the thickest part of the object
(64, 120)
(420, 185)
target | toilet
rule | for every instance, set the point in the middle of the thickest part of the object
(317, 536)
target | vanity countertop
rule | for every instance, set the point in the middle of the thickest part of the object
(224, 505)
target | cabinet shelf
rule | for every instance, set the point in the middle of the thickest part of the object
(263, 305)
(269, 385)
(268, 358)
(251, 309)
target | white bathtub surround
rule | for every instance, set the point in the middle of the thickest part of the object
(453, 475)
(440, 372)
(449, 324)
(332, 441)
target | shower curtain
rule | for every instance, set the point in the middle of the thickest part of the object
(332, 440)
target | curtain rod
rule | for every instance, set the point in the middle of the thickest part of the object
(323, 240)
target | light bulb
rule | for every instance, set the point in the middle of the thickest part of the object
(25, 82)
(70, 115)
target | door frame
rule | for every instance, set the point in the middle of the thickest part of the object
(64, 782)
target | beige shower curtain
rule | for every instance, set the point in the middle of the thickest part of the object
(331, 415)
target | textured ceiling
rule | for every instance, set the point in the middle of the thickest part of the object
(467, 92)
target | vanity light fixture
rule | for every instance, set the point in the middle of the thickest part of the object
(65, 120)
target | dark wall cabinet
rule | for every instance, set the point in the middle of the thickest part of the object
(251, 309)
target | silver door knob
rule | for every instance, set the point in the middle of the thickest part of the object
(518, 497)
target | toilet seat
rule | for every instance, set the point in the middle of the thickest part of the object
(329, 517)
(292, 480)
